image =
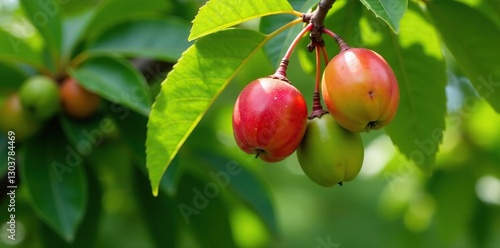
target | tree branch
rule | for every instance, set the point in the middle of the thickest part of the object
(317, 18)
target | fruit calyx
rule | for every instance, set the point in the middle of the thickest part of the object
(317, 109)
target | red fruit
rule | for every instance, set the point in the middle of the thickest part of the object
(269, 119)
(360, 90)
(77, 102)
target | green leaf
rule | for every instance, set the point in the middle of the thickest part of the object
(53, 174)
(390, 11)
(217, 15)
(13, 49)
(244, 185)
(116, 80)
(164, 39)
(46, 17)
(276, 48)
(473, 41)
(110, 12)
(86, 235)
(419, 123)
(12, 77)
(73, 28)
(191, 87)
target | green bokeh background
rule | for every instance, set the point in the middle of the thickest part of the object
(390, 204)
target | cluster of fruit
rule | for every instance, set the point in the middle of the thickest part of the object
(360, 90)
(39, 99)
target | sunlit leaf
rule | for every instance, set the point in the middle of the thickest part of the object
(155, 38)
(419, 123)
(53, 174)
(46, 17)
(13, 49)
(190, 88)
(473, 41)
(116, 80)
(217, 15)
(390, 11)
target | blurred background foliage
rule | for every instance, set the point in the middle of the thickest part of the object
(390, 204)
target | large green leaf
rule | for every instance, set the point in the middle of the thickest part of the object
(13, 49)
(390, 11)
(52, 172)
(156, 38)
(276, 48)
(116, 80)
(473, 41)
(190, 88)
(217, 15)
(45, 15)
(419, 123)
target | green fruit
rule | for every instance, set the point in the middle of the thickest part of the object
(13, 118)
(330, 154)
(40, 97)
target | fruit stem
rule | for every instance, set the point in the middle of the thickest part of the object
(325, 55)
(343, 46)
(296, 41)
(281, 71)
(318, 70)
(317, 109)
(317, 18)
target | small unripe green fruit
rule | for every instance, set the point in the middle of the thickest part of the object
(330, 154)
(14, 118)
(39, 97)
